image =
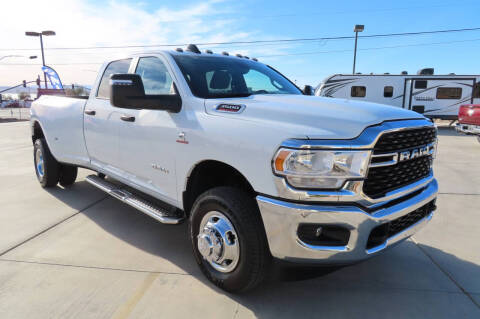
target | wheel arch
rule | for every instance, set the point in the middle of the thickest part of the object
(208, 174)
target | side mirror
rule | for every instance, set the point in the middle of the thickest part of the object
(127, 91)
(308, 90)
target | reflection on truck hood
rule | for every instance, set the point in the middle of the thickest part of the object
(312, 116)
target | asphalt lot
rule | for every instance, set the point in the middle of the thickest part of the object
(77, 253)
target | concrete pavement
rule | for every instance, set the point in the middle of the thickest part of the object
(76, 253)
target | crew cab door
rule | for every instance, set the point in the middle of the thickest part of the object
(147, 138)
(102, 122)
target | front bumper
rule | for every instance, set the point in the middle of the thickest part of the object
(281, 220)
(468, 128)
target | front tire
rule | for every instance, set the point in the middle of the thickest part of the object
(46, 166)
(228, 239)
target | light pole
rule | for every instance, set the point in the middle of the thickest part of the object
(41, 34)
(358, 28)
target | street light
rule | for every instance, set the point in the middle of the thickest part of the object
(358, 28)
(17, 56)
(41, 34)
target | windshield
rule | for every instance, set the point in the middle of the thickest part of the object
(216, 76)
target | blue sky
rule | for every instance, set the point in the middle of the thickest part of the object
(90, 23)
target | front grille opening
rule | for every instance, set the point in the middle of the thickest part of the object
(383, 179)
(323, 235)
(405, 139)
(381, 233)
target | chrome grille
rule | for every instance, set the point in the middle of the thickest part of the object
(383, 179)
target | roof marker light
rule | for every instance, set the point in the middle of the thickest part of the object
(225, 53)
(209, 51)
(238, 55)
(179, 49)
(193, 48)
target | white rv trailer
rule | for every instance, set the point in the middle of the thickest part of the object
(435, 96)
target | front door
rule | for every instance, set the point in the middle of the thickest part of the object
(147, 141)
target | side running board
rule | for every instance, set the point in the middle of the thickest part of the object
(164, 215)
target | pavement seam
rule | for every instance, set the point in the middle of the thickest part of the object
(235, 314)
(446, 273)
(93, 267)
(52, 226)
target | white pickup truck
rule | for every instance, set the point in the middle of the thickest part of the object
(259, 169)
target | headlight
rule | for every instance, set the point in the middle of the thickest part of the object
(327, 169)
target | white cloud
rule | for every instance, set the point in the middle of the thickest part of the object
(82, 23)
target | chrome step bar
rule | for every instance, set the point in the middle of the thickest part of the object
(159, 213)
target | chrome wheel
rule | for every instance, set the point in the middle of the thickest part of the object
(218, 242)
(39, 163)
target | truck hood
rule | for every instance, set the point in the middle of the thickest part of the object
(311, 117)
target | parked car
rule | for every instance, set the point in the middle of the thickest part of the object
(258, 169)
(469, 119)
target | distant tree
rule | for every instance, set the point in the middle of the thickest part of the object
(77, 91)
(23, 96)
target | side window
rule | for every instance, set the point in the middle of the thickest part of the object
(421, 84)
(449, 93)
(476, 91)
(120, 66)
(155, 76)
(388, 91)
(358, 91)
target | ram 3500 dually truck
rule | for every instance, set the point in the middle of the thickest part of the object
(259, 169)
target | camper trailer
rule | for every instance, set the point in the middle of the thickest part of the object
(435, 96)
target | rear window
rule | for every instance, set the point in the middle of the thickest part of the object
(422, 84)
(358, 91)
(388, 91)
(449, 93)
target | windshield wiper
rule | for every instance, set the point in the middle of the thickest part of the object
(227, 95)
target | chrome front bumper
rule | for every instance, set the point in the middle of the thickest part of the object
(281, 220)
(467, 128)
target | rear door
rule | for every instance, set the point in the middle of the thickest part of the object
(102, 121)
(440, 97)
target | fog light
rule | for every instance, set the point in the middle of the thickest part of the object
(323, 235)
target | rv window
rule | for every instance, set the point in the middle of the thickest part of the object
(476, 91)
(388, 91)
(449, 93)
(358, 91)
(421, 84)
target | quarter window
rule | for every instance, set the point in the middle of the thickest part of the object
(358, 91)
(388, 91)
(120, 66)
(155, 77)
(449, 93)
(421, 84)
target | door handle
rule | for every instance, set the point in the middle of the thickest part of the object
(90, 112)
(127, 118)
